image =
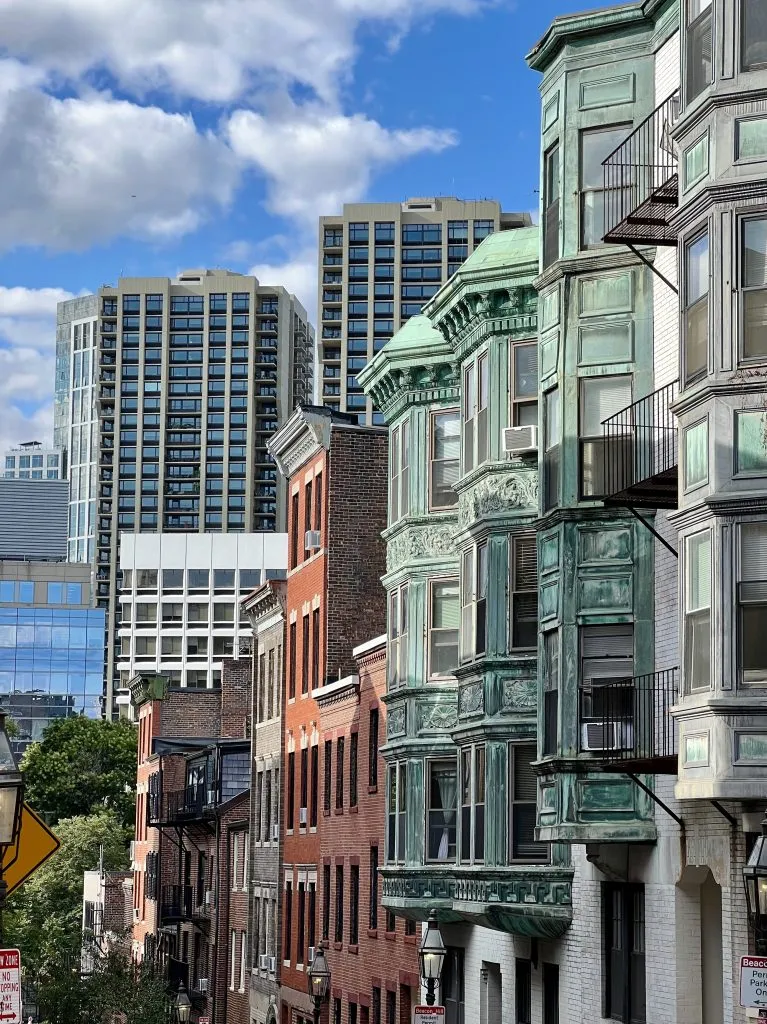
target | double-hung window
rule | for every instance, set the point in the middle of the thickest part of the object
(396, 815)
(400, 471)
(697, 611)
(551, 438)
(606, 698)
(696, 275)
(475, 392)
(444, 459)
(550, 691)
(752, 603)
(474, 602)
(523, 788)
(754, 289)
(398, 636)
(441, 814)
(596, 145)
(699, 57)
(551, 206)
(753, 20)
(444, 615)
(524, 384)
(601, 397)
(523, 574)
(473, 804)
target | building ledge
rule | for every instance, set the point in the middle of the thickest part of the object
(342, 689)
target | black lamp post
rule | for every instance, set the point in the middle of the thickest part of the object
(755, 879)
(432, 956)
(183, 1005)
(319, 981)
(11, 801)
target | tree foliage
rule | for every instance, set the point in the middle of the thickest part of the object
(82, 766)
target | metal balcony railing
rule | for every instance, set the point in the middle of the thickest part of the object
(185, 903)
(641, 452)
(180, 806)
(641, 182)
(638, 733)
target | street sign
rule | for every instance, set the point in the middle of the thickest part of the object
(10, 986)
(753, 981)
(34, 846)
(429, 1015)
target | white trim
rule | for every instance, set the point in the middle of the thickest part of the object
(369, 645)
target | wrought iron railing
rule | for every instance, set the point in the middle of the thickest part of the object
(636, 723)
(180, 805)
(641, 451)
(641, 181)
(185, 902)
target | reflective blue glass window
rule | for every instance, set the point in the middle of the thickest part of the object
(26, 593)
(7, 591)
(55, 593)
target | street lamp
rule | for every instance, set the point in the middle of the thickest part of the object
(183, 1005)
(319, 981)
(432, 956)
(755, 879)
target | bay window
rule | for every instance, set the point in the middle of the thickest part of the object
(444, 459)
(474, 602)
(523, 790)
(700, 45)
(752, 603)
(444, 615)
(601, 397)
(442, 790)
(523, 575)
(524, 384)
(400, 471)
(473, 804)
(697, 611)
(754, 288)
(398, 637)
(696, 272)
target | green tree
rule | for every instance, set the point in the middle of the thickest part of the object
(81, 766)
(44, 917)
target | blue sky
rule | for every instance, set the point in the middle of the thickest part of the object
(146, 136)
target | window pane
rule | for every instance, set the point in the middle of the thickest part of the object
(697, 269)
(442, 811)
(698, 571)
(754, 34)
(699, 48)
(696, 454)
(525, 371)
(602, 397)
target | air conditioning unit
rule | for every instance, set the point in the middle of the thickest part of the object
(310, 956)
(272, 964)
(263, 962)
(202, 985)
(275, 833)
(311, 540)
(132, 854)
(136, 914)
(605, 736)
(520, 440)
(208, 897)
(302, 816)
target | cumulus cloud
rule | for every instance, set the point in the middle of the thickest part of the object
(297, 273)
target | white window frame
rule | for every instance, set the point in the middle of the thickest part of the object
(243, 960)
(697, 612)
(745, 290)
(396, 817)
(430, 628)
(235, 859)
(400, 471)
(701, 302)
(474, 754)
(752, 593)
(398, 637)
(233, 959)
(473, 598)
(474, 425)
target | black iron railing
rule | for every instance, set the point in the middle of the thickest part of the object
(185, 902)
(641, 181)
(641, 451)
(636, 723)
(181, 805)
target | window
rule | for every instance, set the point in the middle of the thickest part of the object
(145, 646)
(596, 145)
(373, 898)
(753, 35)
(328, 769)
(376, 1005)
(444, 614)
(315, 648)
(243, 959)
(233, 959)
(400, 471)
(695, 355)
(315, 771)
(473, 804)
(697, 614)
(700, 44)
(172, 645)
(523, 988)
(551, 429)
(551, 206)
(301, 924)
(524, 385)
(305, 656)
(396, 817)
(550, 994)
(303, 805)
(55, 593)
(340, 773)
(312, 912)
(294, 530)
(696, 454)
(198, 579)
(475, 414)
(452, 986)
(607, 655)
(339, 932)
(353, 759)
(441, 814)
(523, 788)
(354, 905)
(752, 602)
(754, 289)
(292, 663)
(524, 591)
(326, 901)
(398, 637)
(391, 1007)
(444, 459)
(601, 397)
(373, 748)
(623, 952)
(288, 918)
(291, 794)
(550, 692)
(474, 602)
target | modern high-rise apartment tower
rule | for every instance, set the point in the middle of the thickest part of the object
(378, 264)
(191, 377)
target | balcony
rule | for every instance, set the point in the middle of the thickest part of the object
(641, 182)
(636, 731)
(185, 903)
(181, 807)
(641, 452)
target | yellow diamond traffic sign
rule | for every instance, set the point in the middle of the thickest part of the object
(34, 846)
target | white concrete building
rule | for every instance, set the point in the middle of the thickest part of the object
(33, 460)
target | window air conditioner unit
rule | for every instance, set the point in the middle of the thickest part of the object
(202, 985)
(311, 540)
(520, 440)
(208, 897)
(275, 833)
(136, 914)
(263, 962)
(272, 964)
(310, 956)
(612, 736)
(302, 816)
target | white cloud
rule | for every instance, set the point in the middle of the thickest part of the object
(297, 273)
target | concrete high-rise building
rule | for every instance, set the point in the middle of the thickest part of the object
(188, 377)
(33, 460)
(378, 264)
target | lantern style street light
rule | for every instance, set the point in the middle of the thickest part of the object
(183, 1005)
(755, 879)
(319, 981)
(432, 956)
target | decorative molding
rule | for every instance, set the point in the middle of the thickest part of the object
(494, 496)
(419, 542)
(471, 699)
(437, 717)
(519, 694)
(396, 721)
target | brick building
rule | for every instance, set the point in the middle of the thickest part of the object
(373, 955)
(337, 473)
(192, 817)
